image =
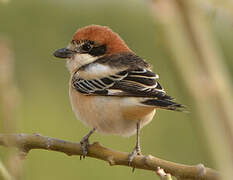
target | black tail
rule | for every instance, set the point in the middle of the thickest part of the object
(164, 104)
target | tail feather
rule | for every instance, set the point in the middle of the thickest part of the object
(164, 104)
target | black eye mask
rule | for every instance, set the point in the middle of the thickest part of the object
(86, 47)
(98, 51)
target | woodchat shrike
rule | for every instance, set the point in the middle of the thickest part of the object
(112, 90)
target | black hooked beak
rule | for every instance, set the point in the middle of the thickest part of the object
(64, 53)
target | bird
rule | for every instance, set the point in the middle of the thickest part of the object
(111, 89)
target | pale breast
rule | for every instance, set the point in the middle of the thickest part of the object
(110, 115)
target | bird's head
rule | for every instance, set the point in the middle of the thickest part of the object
(90, 43)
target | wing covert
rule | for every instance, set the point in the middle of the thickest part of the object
(132, 83)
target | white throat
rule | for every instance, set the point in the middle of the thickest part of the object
(79, 60)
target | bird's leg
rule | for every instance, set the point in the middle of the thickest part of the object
(137, 149)
(85, 142)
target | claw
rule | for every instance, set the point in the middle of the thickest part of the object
(135, 152)
(131, 157)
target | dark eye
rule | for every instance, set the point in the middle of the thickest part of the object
(86, 47)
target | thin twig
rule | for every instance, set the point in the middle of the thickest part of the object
(26, 142)
(4, 173)
(9, 100)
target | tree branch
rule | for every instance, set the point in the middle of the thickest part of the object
(26, 142)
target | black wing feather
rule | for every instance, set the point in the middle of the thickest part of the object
(134, 83)
(164, 104)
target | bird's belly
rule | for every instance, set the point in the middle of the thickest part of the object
(110, 115)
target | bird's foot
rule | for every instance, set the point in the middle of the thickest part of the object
(84, 143)
(135, 152)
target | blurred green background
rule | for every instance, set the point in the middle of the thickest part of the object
(35, 29)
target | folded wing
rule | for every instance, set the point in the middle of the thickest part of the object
(138, 82)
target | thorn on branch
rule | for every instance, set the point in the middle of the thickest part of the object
(111, 160)
(146, 159)
(162, 174)
(48, 143)
(202, 170)
(37, 134)
(69, 154)
(96, 144)
(22, 154)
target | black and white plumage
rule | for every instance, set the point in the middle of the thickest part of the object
(112, 90)
(136, 80)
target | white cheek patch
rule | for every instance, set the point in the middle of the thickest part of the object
(83, 59)
(79, 60)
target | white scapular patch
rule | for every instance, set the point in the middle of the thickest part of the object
(95, 71)
(98, 68)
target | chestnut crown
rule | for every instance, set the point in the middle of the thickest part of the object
(98, 40)
(94, 40)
